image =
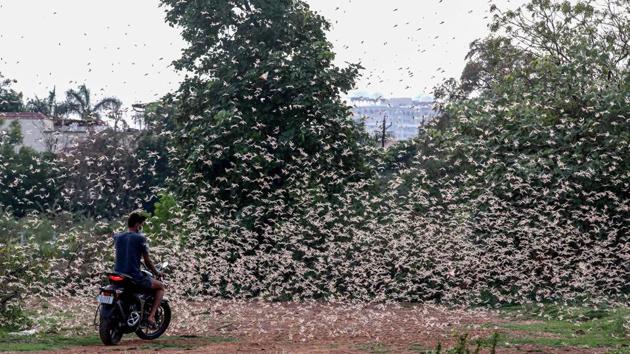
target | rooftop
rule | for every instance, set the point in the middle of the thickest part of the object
(389, 102)
(23, 115)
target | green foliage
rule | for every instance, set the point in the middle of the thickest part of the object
(40, 230)
(48, 255)
(80, 102)
(14, 343)
(374, 348)
(48, 106)
(38, 105)
(464, 345)
(535, 135)
(114, 173)
(164, 221)
(518, 192)
(12, 136)
(21, 264)
(259, 137)
(261, 118)
(570, 326)
(12, 316)
(10, 100)
(27, 178)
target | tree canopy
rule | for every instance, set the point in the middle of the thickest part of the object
(79, 101)
(260, 115)
(10, 100)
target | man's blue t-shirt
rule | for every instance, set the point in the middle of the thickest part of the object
(130, 247)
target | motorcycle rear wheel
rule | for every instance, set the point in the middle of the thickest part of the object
(163, 319)
(108, 332)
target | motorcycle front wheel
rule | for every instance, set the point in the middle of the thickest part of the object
(162, 319)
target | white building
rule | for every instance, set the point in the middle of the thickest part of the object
(405, 115)
(69, 133)
(43, 134)
(33, 127)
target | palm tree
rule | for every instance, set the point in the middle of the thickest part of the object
(48, 106)
(39, 105)
(79, 102)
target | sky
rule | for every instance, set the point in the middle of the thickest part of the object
(124, 48)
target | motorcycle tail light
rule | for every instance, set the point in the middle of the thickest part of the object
(107, 293)
(116, 278)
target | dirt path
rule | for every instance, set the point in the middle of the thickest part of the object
(350, 346)
(260, 327)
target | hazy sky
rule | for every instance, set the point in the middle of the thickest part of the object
(124, 48)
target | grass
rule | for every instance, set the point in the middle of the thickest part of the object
(374, 348)
(419, 348)
(551, 326)
(465, 345)
(43, 342)
(556, 326)
(55, 342)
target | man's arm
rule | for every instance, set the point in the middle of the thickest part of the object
(149, 264)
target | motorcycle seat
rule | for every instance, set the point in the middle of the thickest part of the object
(127, 281)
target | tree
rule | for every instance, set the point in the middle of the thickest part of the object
(27, 178)
(11, 137)
(260, 117)
(80, 102)
(114, 172)
(536, 139)
(48, 106)
(384, 135)
(10, 100)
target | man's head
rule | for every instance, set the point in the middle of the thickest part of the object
(135, 220)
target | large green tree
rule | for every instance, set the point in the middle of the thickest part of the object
(536, 137)
(260, 119)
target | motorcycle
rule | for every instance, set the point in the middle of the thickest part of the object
(124, 308)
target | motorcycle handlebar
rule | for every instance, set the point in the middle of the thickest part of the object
(160, 268)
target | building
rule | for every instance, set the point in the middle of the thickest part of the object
(69, 133)
(406, 115)
(33, 127)
(45, 134)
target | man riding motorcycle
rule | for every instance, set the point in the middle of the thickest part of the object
(131, 247)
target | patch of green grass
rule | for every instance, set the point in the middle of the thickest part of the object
(374, 348)
(419, 348)
(463, 345)
(623, 350)
(569, 326)
(560, 312)
(43, 342)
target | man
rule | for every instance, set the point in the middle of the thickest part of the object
(130, 247)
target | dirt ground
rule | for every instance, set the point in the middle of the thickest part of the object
(260, 327)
